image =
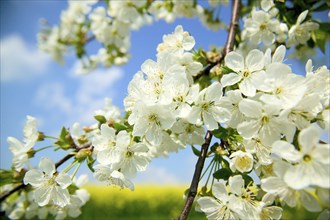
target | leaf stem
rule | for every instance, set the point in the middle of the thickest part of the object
(75, 170)
(43, 148)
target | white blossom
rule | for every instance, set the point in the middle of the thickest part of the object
(150, 120)
(21, 150)
(241, 161)
(113, 177)
(300, 33)
(50, 185)
(208, 109)
(275, 186)
(246, 71)
(311, 162)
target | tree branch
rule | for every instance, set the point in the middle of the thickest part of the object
(208, 137)
(232, 29)
(194, 183)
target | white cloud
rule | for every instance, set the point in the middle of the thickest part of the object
(96, 84)
(76, 99)
(157, 175)
(52, 96)
(20, 61)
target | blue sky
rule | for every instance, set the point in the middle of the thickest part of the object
(33, 84)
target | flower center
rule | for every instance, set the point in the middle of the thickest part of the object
(179, 98)
(246, 73)
(129, 154)
(307, 158)
(263, 26)
(265, 120)
(189, 129)
(243, 162)
(153, 119)
(51, 181)
(278, 90)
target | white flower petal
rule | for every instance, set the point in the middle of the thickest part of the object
(309, 202)
(188, 43)
(149, 67)
(194, 116)
(64, 180)
(299, 176)
(208, 204)
(248, 129)
(247, 88)
(286, 151)
(214, 91)
(272, 185)
(220, 191)
(60, 197)
(279, 54)
(209, 121)
(47, 166)
(255, 60)
(123, 139)
(236, 183)
(230, 79)
(42, 195)
(234, 61)
(139, 147)
(308, 138)
(34, 177)
(250, 108)
(302, 17)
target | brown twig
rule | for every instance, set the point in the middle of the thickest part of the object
(194, 183)
(208, 137)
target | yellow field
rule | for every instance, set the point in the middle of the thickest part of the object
(145, 202)
(149, 202)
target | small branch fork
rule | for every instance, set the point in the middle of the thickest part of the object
(208, 137)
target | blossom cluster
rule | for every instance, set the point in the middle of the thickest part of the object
(277, 115)
(280, 116)
(263, 25)
(164, 104)
(53, 193)
(111, 27)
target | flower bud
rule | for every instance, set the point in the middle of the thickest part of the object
(41, 136)
(83, 154)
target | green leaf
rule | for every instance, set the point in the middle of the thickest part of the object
(247, 179)
(65, 140)
(223, 173)
(226, 70)
(320, 38)
(64, 133)
(6, 177)
(90, 162)
(195, 151)
(220, 132)
(119, 127)
(100, 118)
(214, 147)
(224, 164)
(324, 26)
(204, 81)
